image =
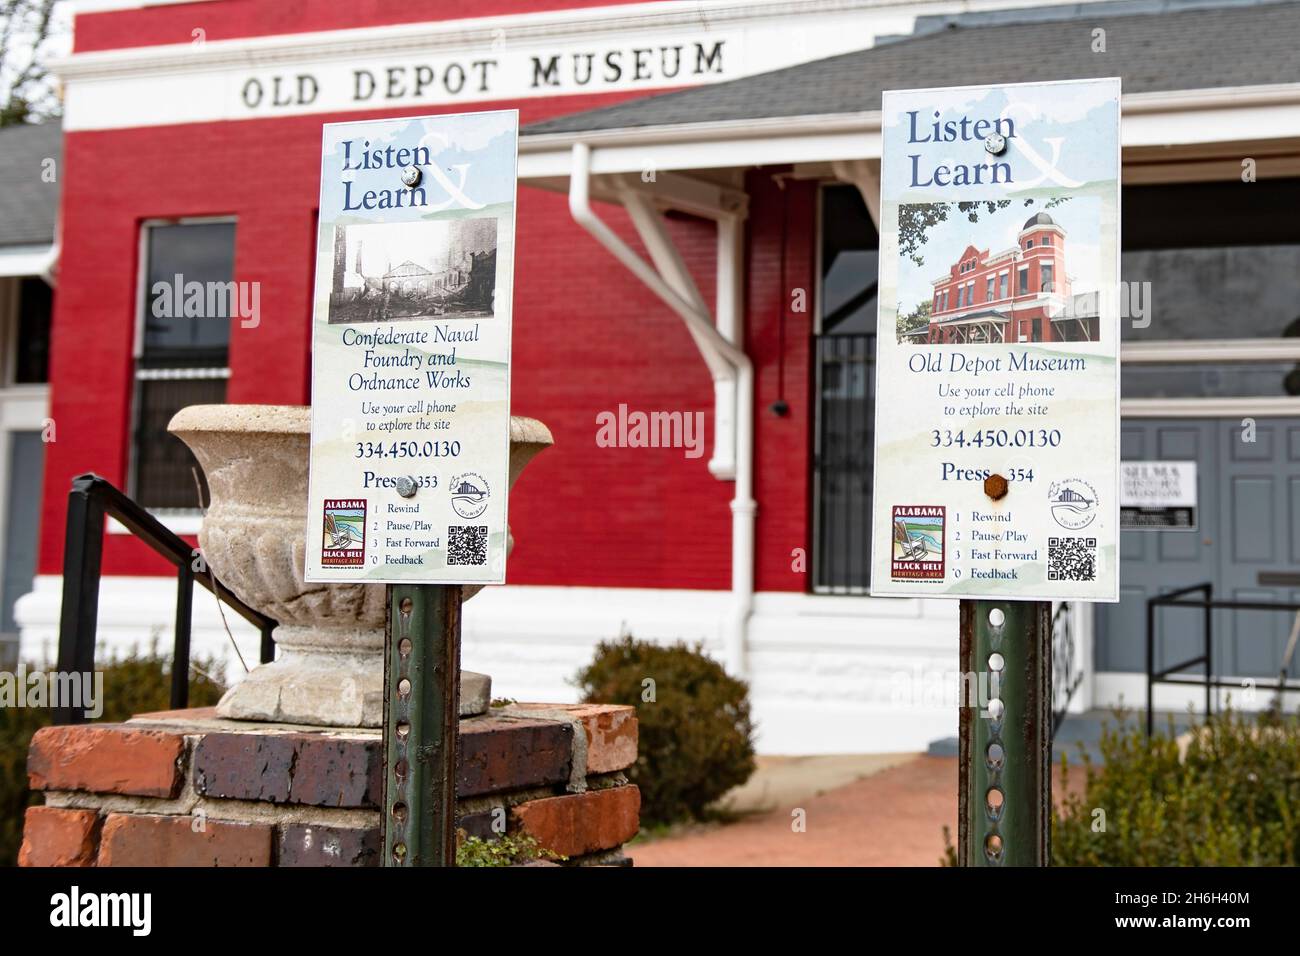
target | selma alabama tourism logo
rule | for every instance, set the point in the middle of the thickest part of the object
(1074, 503)
(918, 543)
(469, 494)
(344, 539)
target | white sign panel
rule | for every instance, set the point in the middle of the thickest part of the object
(411, 350)
(997, 350)
(1158, 495)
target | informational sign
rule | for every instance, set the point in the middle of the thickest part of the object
(997, 348)
(410, 439)
(1157, 496)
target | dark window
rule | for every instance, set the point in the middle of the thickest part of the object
(1045, 279)
(844, 438)
(32, 358)
(189, 275)
(1024, 280)
(1221, 260)
(191, 332)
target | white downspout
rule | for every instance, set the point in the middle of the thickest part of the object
(718, 352)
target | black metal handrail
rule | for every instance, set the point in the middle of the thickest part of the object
(92, 500)
(1168, 675)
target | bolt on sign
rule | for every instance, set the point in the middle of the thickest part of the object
(410, 436)
(997, 355)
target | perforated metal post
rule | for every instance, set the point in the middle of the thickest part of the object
(1005, 776)
(421, 723)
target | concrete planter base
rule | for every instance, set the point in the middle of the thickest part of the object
(331, 669)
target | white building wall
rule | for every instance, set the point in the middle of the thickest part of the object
(827, 674)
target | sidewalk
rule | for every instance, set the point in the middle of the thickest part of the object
(894, 817)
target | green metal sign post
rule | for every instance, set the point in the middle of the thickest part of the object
(421, 724)
(1005, 782)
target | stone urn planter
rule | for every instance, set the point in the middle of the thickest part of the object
(330, 670)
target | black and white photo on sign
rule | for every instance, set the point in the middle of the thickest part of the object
(403, 271)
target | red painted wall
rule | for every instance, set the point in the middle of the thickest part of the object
(783, 365)
(226, 19)
(588, 337)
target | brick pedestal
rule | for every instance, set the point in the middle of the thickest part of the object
(186, 788)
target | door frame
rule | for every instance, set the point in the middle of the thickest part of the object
(23, 408)
(1214, 408)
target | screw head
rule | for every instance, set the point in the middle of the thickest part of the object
(406, 486)
(995, 143)
(411, 176)
(995, 486)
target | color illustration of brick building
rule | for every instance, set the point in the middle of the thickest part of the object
(1020, 294)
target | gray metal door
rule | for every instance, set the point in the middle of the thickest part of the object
(22, 514)
(1248, 522)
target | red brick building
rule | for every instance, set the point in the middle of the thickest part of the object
(708, 249)
(1013, 295)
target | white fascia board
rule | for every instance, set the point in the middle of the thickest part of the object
(1232, 408)
(1184, 117)
(441, 64)
(888, 17)
(26, 260)
(742, 143)
(1212, 350)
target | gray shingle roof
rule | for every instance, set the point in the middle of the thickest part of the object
(1152, 52)
(29, 206)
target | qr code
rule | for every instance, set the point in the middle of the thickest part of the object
(1071, 559)
(467, 544)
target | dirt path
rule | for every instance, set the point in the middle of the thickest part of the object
(892, 818)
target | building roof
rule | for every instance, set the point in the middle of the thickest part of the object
(985, 314)
(408, 269)
(1182, 49)
(1081, 305)
(1038, 219)
(29, 206)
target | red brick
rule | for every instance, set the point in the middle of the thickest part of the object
(611, 732)
(152, 840)
(290, 768)
(106, 758)
(303, 844)
(56, 837)
(581, 823)
(498, 754)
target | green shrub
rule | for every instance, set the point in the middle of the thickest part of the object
(1232, 800)
(502, 851)
(696, 736)
(132, 685)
